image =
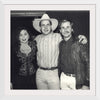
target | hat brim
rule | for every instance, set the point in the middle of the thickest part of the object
(37, 26)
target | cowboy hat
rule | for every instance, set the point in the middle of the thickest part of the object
(45, 17)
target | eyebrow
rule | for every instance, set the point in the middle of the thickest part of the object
(46, 24)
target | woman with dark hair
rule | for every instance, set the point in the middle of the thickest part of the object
(23, 63)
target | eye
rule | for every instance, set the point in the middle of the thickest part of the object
(62, 28)
(48, 24)
(42, 25)
(25, 33)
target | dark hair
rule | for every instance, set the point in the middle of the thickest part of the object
(63, 21)
(71, 23)
(19, 29)
(44, 19)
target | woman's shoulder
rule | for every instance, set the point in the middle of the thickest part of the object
(32, 43)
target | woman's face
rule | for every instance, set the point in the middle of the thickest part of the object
(23, 36)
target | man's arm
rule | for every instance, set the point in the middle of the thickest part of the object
(82, 39)
(85, 60)
(80, 55)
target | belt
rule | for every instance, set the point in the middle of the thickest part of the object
(72, 75)
(52, 68)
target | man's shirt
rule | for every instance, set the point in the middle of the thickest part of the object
(74, 59)
(48, 49)
(65, 58)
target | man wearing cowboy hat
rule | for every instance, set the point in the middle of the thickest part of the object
(48, 51)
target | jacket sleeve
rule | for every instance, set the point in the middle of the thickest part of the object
(85, 59)
(80, 56)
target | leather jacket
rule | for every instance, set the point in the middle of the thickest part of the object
(80, 55)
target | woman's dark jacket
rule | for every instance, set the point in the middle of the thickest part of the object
(22, 65)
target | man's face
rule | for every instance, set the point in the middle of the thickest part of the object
(23, 36)
(66, 29)
(46, 27)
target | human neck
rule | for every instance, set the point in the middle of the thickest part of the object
(47, 34)
(26, 43)
(67, 38)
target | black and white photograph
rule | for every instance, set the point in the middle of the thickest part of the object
(50, 50)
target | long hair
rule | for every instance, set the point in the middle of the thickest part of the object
(19, 29)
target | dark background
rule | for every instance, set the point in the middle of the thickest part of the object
(79, 18)
(19, 19)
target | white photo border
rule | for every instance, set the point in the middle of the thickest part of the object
(7, 38)
(90, 8)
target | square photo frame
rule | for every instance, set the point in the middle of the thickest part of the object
(11, 11)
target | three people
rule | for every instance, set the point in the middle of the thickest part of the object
(51, 57)
(23, 62)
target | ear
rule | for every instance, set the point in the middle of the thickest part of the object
(40, 30)
(28, 36)
(60, 30)
(72, 30)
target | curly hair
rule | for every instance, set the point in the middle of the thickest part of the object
(18, 30)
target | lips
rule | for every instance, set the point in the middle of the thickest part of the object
(23, 39)
(66, 32)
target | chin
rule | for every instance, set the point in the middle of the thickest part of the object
(46, 33)
(24, 41)
(66, 36)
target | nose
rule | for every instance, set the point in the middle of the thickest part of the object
(46, 26)
(65, 29)
(23, 37)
